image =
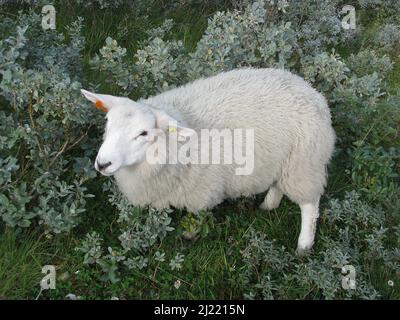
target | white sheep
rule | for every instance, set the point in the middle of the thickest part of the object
(293, 143)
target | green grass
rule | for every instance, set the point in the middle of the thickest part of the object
(212, 263)
(20, 265)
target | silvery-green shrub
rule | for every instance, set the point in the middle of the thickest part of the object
(357, 235)
(44, 122)
(388, 38)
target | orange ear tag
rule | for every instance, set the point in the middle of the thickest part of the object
(100, 105)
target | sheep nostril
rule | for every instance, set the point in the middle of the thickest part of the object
(103, 166)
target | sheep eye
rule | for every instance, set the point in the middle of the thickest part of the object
(143, 133)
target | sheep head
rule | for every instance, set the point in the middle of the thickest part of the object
(131, 129)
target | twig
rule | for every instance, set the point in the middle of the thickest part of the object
(33, 124)
(58, 153)
(64, 147)
(79, 139)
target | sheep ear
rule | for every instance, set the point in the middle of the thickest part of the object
(103, 102)
(167, 123)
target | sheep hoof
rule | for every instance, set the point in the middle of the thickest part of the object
(272, 200)
(303, 251)
(263, 206)
(268, 206)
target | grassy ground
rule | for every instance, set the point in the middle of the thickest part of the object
(212, 263)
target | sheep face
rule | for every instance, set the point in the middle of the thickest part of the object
(126, 138)
(131, 128)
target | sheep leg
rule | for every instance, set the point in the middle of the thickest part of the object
(272, 199)
(309, 217)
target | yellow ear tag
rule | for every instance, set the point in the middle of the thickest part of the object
(172, 129)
